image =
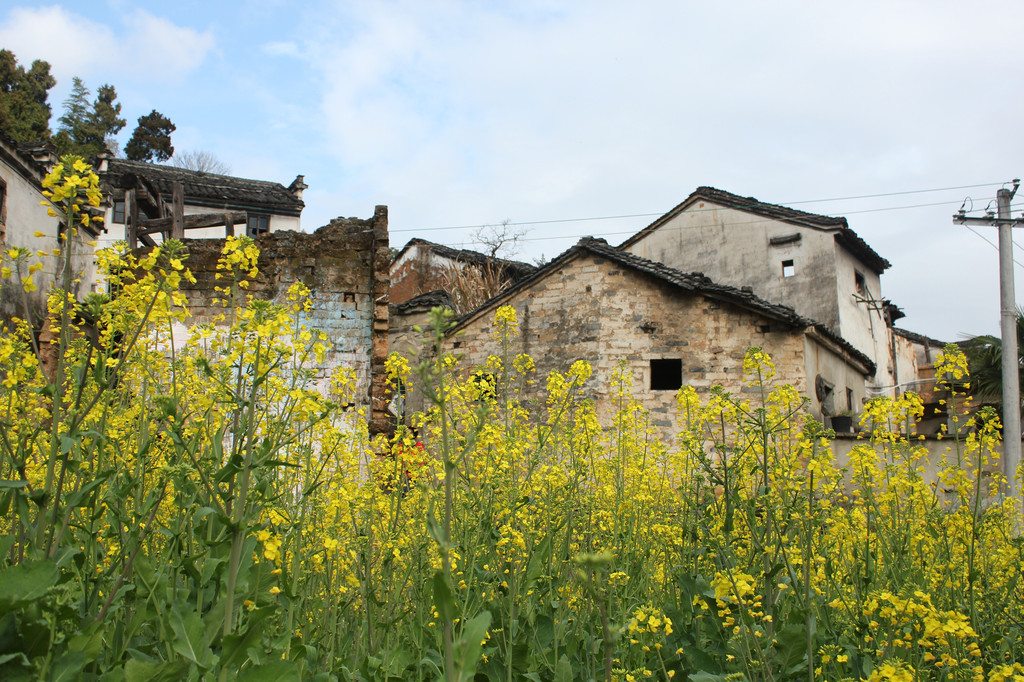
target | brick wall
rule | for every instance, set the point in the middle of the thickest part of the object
(596, 310)
(345, 265)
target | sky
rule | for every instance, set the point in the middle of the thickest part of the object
(561, 116)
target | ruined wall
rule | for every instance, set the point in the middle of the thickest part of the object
(345, 265)
(594, 310)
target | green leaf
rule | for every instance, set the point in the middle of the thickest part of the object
(563, 670)
(706, 677)
(68, 667)
(228, 471)
(89, 641)
(188, 636)
(5, 544)
(443, 598)
(278, 671)
(141, 671)
(75, 499)
(25, 583)
(538, 561)
(470, 645)
(66, 443)
(235, 646)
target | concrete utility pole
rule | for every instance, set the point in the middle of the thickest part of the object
(1008, 327)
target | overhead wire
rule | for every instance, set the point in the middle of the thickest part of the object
(993, 244)
(648, 215)
(721, 224)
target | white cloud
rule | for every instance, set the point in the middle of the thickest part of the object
(72, 44)
(143, 46)
(157, 48)
(282, 49)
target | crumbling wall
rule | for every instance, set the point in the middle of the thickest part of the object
(345, 265)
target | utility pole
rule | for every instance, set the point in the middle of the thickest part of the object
(1008, 327)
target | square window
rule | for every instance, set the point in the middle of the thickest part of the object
(257, 225)
(859, 282)
(788, 269)
(666, 374)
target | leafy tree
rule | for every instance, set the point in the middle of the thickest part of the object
(985, 363)
(89, 129)
(201, 161)
(151, 140)
(24, 111)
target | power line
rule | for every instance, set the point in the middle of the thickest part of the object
(648, 215)
(722, 224)
(992, 244)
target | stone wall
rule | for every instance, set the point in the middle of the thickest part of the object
(345, 265)
(595, 310)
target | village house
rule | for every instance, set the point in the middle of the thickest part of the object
(813, 263)
(671, 328)
(142, 199)
(22, 215)
(423, 266)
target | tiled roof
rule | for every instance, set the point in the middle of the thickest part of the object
(695, 282)
(844, 235)
(918, 338)
(431, 299)
(208, 189)
(28, 155)
(517, 269)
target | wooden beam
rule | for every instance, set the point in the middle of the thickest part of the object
(178, 211)
(191, 222)
(229, 225)
(131, 214)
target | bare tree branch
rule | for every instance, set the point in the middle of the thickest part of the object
(201, 161)
(500, 241)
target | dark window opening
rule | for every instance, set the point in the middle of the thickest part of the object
(257, 225)
(667, 374)
(860, 283)
(788, 269)
(119, 212)
(849, 399)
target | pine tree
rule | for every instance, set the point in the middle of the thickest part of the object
(88, 129)
(104, 120)
(24, 111)
(151, 140)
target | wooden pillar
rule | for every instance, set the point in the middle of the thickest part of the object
(178, 211)
(131, 216)
(229, 225)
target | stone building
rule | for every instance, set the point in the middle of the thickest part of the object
(422, 266)
(22, 215)
(605, 305)
(141, 195)
(813, 263)
(345, 265)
